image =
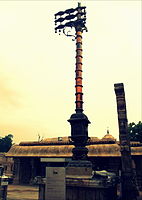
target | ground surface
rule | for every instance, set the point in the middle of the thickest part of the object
(20, 192)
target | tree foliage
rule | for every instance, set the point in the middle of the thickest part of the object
(6, 143)
(135, 131)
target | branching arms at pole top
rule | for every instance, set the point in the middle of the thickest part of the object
(71, 18)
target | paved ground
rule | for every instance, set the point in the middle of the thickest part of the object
(20, 192)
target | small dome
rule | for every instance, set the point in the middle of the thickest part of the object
(108, 138)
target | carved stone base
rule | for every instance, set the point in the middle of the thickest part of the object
(79, 168)
(88, 189)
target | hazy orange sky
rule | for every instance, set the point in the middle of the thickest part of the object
(37, 67)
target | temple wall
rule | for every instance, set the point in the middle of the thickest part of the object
(26, 169)
(7, 163)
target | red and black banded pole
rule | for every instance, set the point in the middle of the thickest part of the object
(78, 73)
(78, 120)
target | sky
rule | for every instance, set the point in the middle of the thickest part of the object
(37, 67)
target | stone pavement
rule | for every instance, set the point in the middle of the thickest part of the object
(22, 192)
(26, 192)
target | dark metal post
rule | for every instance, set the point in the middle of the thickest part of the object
(79, 121)
(128, 184)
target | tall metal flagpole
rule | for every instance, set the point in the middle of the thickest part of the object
(79, 121)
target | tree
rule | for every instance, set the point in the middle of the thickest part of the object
(6, 143)
(135, 131)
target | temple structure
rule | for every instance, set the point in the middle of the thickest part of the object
(129, 188)
(79, 153)
(31, 158)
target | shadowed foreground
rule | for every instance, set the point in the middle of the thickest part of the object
(22, 192)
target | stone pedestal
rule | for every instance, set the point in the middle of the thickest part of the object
(79, 135)
(89, 189)
(79, 168)
(81, 186)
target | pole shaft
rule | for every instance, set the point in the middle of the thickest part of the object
(78, 72)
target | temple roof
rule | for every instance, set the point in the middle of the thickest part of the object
(67, 141)
(62, 147)
(95, 150)
(48, 141)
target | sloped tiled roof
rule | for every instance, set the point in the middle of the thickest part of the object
(63, 148)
